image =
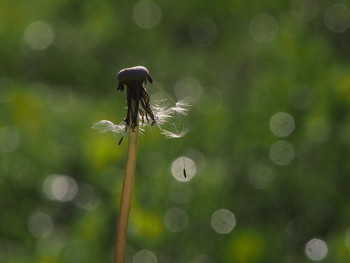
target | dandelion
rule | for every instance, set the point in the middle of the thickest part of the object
(162, 113)
(140, 113)
(134, 79)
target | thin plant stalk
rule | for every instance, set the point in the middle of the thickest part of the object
(125, 202)
(138, 104)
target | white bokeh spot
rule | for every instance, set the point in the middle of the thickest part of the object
(39, 35)
(263, 28)
(40, 225)
(147, 14)
(62, 188)
(144, 256)
(282, 152)
(337, 18)
(183, 169)
(282, 124)
(316, 249)
(223, 221)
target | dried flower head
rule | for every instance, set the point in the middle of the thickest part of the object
(135, 79)
(161, 113)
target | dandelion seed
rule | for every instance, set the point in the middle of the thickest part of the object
(120, 141)
(165, 114)
(168, 118)
(108, 126)
(181, 107)
(184, 170)
(176, 133)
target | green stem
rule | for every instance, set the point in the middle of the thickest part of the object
(119, 256)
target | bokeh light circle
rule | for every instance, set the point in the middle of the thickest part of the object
(304, 10)
(147, 14)
(39, 35)
(223, 221)
(144, 256)
(183, 169)
(347, 238)
(60, 187)
(188, 87)
(282, 124)
(260, 176)
(263, 28)
(316, 249)
(40, 225)
(282, 152)
(176, 219)
(337, 18)
(88, 198)
(9, 139)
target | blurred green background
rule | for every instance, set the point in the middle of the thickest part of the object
(269, 130)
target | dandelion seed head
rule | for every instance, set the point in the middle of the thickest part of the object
(140, 112)
(137, 99)
(138, 73)
(167, 119)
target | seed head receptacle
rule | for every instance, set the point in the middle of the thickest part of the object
(135, 79)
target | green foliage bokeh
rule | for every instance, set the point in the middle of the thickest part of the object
(237, 79)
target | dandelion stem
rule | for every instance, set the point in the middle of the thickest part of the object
(125, 201)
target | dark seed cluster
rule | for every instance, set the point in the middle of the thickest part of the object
(135, 79)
